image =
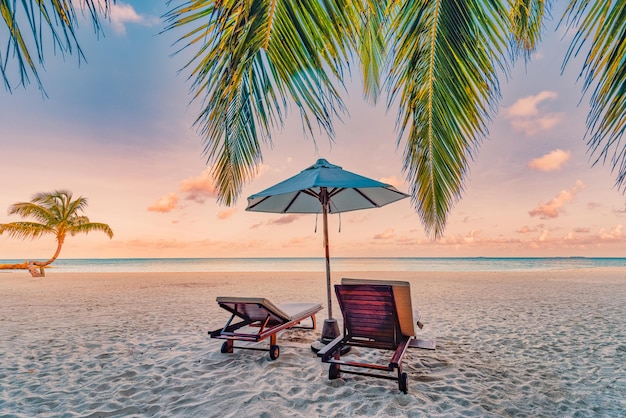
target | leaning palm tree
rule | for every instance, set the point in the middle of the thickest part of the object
(55, 214)
(439, 61)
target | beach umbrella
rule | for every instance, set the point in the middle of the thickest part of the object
(324, 188)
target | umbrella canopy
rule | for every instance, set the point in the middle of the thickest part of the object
(324, 188)
(303, 193)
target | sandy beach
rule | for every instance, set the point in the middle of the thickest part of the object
(549, 343)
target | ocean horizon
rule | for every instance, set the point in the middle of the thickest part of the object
(317, 264)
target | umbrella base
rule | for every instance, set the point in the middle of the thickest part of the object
(330, 331)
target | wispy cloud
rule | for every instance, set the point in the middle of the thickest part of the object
(470, 238)
(595, 205)
(551, 161)
(614, 234)
(388, 234)
(528, 229)
(357, 218)
(299, 241)
(199, 188)
(554, 207)
(165, 204)
(282, 220)
(393, 180)
(122, 14)
(543, 236)
(225, 214)
(527, 114)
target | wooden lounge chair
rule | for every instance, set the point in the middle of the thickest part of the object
(376, 314)
(259, 319)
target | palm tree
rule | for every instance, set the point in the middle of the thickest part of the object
(439, 61)
(57, 214)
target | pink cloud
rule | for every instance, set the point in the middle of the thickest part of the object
(526, 114)
(594, 205)
(529, 105)
(282, 220)
(532, 126)
(525, 230)
(614, 234)
(356, 219)
(393, 180)
(225, 214)
(199, 188)
(619, 212)
(388, 234)
(554, 207)
(552, 161)
(165, 204)
(471, 238)
(404, 240)
(298, 241)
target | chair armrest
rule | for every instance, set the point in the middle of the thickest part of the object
(399, 353)
(330, 349)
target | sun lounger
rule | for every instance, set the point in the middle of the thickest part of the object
(258, 319)
(376, 314)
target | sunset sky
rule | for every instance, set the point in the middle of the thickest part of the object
(117, 129)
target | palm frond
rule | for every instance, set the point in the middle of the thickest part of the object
(371, 38)
(56, 18)
(25, 230)
(603, 24)
(527, 17)
(32, 210)
(86, 227)
(446, 56)
(59, 205)
(253, 58)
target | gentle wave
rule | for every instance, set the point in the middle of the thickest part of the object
(167, 265)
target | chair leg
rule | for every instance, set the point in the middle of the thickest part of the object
(227, 347)
(403, 381)
(274, 349)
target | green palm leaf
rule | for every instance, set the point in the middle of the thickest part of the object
(604, 71)
(251, 57)
(444, 76)
(25, 230)
(57, 18)
(527, 18)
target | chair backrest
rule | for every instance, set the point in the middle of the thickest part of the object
(255, 309)
(369, 312)
(402, 297)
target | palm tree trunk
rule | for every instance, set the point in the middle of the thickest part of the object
(13, 266)
(42, 264)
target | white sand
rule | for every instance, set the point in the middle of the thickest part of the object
(508, 344)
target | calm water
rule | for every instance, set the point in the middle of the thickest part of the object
(317, 264)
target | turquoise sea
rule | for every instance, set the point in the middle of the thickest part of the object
(317, 264)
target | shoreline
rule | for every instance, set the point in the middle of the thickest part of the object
(549, 343)
(338, 264)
